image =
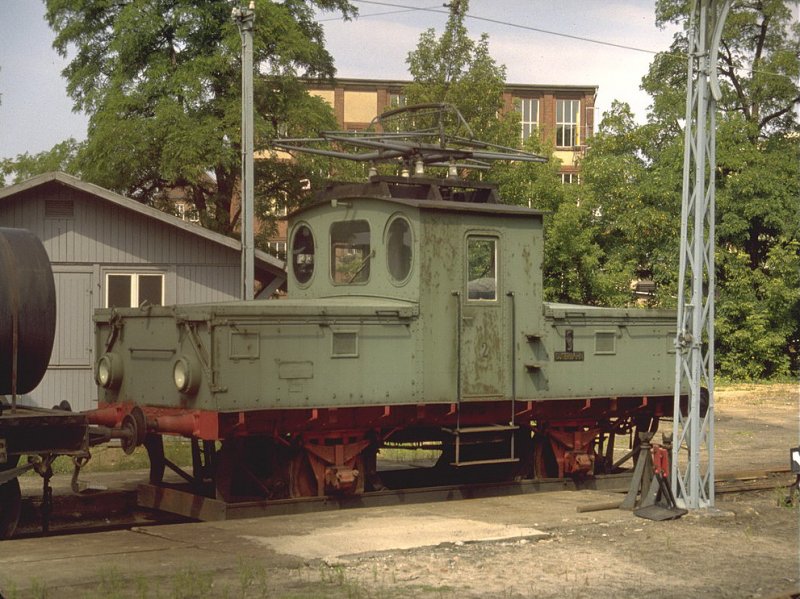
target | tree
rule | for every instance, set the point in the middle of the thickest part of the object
(634, 174)
(61, 157)
(457, 70)
(160, 81)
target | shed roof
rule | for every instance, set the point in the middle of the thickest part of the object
(267, 264)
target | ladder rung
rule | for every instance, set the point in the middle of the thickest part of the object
(495, 428)
(532, 367)
(483, 462)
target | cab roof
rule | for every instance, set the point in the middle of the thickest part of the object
(455, 195)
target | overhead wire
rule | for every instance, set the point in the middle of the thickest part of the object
(403, 8)
(507, 24)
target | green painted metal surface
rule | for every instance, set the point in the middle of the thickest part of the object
(393, 299)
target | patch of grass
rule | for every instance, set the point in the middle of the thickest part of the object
(111, 458)
(38, 590)
(784, 499)
(192, 583)
(252, 579)
(405, 454)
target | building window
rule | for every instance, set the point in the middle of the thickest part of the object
(278, 207)
(397, 100)
(569, 178)
(350, 252)
(567, 123)
(187, 212)
(529, 116)
(134, 289)
(277, 249)
(481, 268)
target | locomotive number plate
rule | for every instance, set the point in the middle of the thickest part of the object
(568, 356)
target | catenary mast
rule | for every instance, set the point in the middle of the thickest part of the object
(693, 476)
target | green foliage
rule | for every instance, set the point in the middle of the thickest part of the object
(60, 158)
(758, 314)
(457, 70)
(160, 81)
(633, 177)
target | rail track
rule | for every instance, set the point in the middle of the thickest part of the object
(148, 505)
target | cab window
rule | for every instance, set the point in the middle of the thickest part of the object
(398, 249)
(303, 254)
(481, 268)
(350, 252)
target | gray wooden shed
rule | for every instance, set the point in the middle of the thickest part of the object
(106, 249)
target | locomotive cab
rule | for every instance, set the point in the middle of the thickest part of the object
(446, 246)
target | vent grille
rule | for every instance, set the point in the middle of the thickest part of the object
(605, 343)
(59, 209)
(345, 345)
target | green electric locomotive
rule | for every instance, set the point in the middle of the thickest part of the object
(414, 316)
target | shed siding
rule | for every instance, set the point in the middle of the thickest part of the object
(102, 237)
(75, 302)
(204, 284)
(102, 233)
(76, 385)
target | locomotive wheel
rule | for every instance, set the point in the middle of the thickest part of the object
(10, 502)
(154, 444)
(249, 468)
(302, 481)
(544, 458)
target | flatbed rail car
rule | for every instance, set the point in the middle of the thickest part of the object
(414, 316)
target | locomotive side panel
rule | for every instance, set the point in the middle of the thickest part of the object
(136, 351)
(262, 355)
(587, 352)
(335, 363)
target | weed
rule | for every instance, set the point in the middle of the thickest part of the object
(38, 589)
(8, 593)
(787, 498)
(142, 587)
(111, 582)
(252, 576)
(191, 584)
(405, 454)
(109, 458)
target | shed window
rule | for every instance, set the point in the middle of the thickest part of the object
(132, 290)
(398, 249)
(350, 252)
(481, 268)
(303, 254)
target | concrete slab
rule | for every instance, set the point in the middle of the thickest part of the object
(330, 537)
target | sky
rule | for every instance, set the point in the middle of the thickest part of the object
(36, 113)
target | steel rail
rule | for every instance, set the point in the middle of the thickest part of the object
(151, 505)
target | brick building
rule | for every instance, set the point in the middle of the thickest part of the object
(564, 114)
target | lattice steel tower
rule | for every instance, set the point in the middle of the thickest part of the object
(693, 475)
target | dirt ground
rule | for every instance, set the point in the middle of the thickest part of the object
(748, 546)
